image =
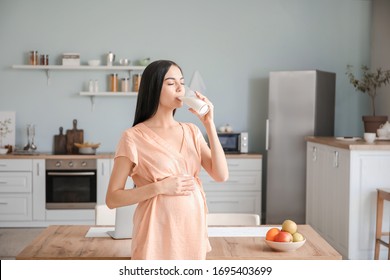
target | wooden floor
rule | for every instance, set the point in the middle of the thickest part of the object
(13, 240)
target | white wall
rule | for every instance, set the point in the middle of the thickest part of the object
(234, 45)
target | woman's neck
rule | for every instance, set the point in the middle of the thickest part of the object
(162, 120)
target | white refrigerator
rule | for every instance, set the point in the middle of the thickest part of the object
(301, 103)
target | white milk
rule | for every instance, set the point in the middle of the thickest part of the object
(195, 103)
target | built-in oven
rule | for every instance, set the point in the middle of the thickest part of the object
(71, 183)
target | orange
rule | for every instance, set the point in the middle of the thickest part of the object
(271, 233)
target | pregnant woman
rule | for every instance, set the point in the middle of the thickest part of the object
(164, 158)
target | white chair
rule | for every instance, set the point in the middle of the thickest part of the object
(104, 215)
(232, 219)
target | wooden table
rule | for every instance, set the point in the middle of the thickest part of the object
(69, 243)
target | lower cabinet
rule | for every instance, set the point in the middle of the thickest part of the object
(341, 188)
(15, 190)
(241, 193)
(23, 194)
(327, 188)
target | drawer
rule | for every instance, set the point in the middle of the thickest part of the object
(248, 202)
(15, 207)
(15, 165)
(15, 182)
(244, 164)
(238, 181)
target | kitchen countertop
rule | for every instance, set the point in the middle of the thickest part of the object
(99, 156)
(359, 144)
(69, 243)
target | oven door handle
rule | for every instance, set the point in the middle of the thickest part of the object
(71, 173)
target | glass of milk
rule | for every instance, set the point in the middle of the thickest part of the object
(192, 101)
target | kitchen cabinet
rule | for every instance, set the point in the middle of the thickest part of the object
(23, 181)
(103, 177)
(327, 187)
(241, 193)
(15, 190)
(341, 188)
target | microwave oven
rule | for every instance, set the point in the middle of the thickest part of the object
(234, 142)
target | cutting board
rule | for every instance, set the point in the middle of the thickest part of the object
(74, 135)
(60, 143)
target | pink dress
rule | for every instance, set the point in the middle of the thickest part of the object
(166, 227)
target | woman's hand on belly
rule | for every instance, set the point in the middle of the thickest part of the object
(177, 185)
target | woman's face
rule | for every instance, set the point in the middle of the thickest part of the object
(172, 88)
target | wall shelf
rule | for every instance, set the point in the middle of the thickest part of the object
(108, 93)
(48, 68)
(92, 95)
(79, 67)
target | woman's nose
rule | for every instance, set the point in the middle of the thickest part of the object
(180, 88)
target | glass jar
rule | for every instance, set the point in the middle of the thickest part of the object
(114, 82)
(136, 82)
(44, 59)
(125, 84)
(33, 58)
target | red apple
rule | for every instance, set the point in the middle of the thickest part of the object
(283, 236)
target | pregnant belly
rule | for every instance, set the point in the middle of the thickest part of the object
(166, 211)
(184, 204)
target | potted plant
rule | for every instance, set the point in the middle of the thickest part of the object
(369, 83)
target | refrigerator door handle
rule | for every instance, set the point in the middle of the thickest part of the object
(267, 135)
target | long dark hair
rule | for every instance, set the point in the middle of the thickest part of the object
(150, 89)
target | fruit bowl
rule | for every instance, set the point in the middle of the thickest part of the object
(87, 151)
(285, 246)
(87, 148)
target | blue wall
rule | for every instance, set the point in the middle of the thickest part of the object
(233, 44)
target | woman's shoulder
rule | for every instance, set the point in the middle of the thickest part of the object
(193, 130)
(133, 132)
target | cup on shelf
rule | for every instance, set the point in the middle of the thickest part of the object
(369, 137)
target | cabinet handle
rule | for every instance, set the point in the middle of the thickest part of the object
(3, 165)
(3, 182)
(103, 169)
(336, 159)
(314, 154)
(3, 203)
(267, 147)
(233, 164)
(38, 168)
